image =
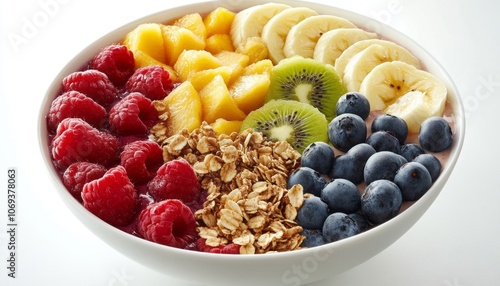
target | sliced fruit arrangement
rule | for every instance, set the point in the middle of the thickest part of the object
(176, 111)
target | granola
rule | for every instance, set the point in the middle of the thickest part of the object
(245, 177)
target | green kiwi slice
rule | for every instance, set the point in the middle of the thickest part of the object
(287, 120)
(309, 81)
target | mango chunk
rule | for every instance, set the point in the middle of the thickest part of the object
(184, 109)
(217, 102)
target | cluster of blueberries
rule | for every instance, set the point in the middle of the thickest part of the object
(392, 171)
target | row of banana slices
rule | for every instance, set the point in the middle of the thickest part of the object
(388, 74)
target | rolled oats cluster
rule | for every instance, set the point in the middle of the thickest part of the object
(245, 177)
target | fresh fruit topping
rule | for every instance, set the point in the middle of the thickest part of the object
(194, 23)
(192, 61)
(177, 39)
(217, 102)
(141, 159)
(251, 21)
(308, 81)
(414, 180)
(116, 61)
(318, 156)
(313, 213)
(363, 62)
(147, 40)
(313, 237)
(80, 173)
(346, 131)
(223, 126)
(112, 197)
(298, 123)
(175, 179)
(334, 42)
(77, 141)
(351, 165)
(360, 221)
(410, 151)
(152, 81)
(231, 248)
(219, 43)
(73, 104)
(181, 109)
(402, 90)
(353, 102)
(382, 165)
(435, 134)
(430, 162)
(339, 226)
(311, 181)
(254, 48)
(381, 201)
(393, 124)
(384, 141)
(92, 83)
(276, 30)
(303, 36)
(132, 115)
(341, 195)
(219, 21)
(168, 222)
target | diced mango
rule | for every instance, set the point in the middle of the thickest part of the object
(249, 91)
(217, 103)
(184, 109)
(260, 67)
(141, 60)
(177, 39)
(146, 39)
(235, 61)
(254, 48)
(219, 21)
(223, 126)
(202, 78)
(192, 61)
(193, 22)
(218, 43)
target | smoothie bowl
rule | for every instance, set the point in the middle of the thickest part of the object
(253, 143)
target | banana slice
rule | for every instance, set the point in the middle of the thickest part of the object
(363, 62)
(250, 22)
(332, 43)
(275, 31)
(402, 90)
(303, 37)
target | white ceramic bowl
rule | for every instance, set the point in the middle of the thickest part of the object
(291, 268)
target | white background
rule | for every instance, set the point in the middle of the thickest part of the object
(457, 242)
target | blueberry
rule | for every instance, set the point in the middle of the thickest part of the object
(384, 141)
(339, 226)
(381, 201)
(353, 102)
(313, 213)
(396, 125)
(360, 220)
(410, 151)
(350, 166)
(432, 164)
(382, 165)
(312, 182)
(413, 180)
(314, 237)
(346, 130)
(435, 134)
(341, 196)
(318, 156)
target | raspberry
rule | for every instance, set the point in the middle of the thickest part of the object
(80, 173)
(112, 198)
(231, 248)
(133, 115)
(152, 81)
(92, 83)
(168, 222)
(75, 104)
(77, 141)
(116, 61)
(141, 159)
(175, 180)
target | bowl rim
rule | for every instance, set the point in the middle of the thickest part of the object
(389, 33)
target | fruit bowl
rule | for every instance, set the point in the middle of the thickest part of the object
(286, 268)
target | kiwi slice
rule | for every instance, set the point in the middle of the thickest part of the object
(287, 120)
(309, 81)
